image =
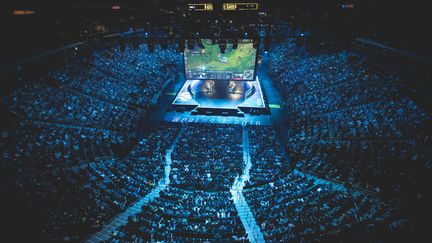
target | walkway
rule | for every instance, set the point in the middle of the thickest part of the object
(320, 181)
(240, 203)
(401, 52)
(122, 218)
(339, 186)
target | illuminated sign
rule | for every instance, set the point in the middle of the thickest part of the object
(200, 7)
(23, 12)
(239, 6)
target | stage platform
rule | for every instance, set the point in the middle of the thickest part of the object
(221, 97)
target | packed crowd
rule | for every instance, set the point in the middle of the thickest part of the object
(66, 122)
(133, 76)
(375, 148)
(57, 154)
(295, 208)
(289, 205)
(45, 145)
(349, 120)
(96, 91)
(267, 156)
(38, 102)
(345, 124)
(207, 157)
(78, 200)
(179, 215)
(297, 73)
(197, 206)
(324, 82)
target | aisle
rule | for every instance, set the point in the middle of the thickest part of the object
(122, 218)
(243, 209)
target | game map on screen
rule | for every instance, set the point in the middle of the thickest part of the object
(210, 63)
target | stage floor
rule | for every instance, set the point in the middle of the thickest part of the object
(221, 94)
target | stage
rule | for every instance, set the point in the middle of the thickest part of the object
(221, 94)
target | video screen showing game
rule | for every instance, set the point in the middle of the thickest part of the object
(210, 63)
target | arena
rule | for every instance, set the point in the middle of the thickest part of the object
(192, 121)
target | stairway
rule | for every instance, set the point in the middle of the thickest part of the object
(243, 209)
(122, 218)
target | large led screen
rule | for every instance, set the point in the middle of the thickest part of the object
(205, 61)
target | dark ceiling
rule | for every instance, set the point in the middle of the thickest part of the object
(56, 23)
